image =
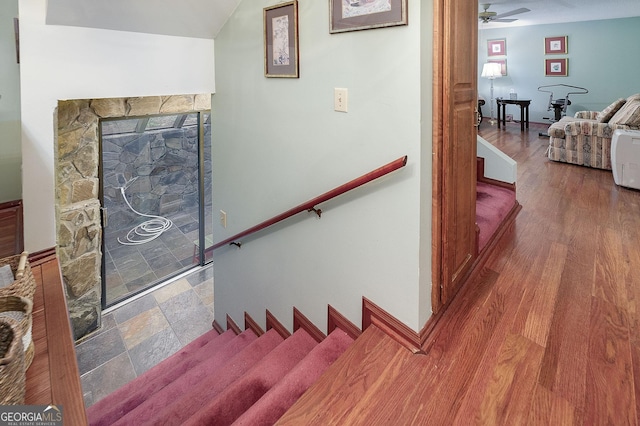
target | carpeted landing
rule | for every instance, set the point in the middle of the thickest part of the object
(223, 379)
(493, 204)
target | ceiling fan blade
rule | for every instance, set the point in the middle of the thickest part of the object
(504, 20)
(513, 12)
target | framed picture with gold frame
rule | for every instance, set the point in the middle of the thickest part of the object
(281, 54)
(353, 15)
(556, 67)
(497, 47)
(556, 45)
(503, 65)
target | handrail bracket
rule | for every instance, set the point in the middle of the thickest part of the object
(316, 211)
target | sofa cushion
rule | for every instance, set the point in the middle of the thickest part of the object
(589, 115)
(557, 129)
(608, 112)
(628, 115)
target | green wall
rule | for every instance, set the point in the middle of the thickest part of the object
(10, 145)
(604, 57)
(278, 142)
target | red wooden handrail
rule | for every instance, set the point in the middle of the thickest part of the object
(310, 205)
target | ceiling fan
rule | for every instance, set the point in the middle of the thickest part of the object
(487, 16)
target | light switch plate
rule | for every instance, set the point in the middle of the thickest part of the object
(340, 99)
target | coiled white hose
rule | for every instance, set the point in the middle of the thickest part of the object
(148, 230)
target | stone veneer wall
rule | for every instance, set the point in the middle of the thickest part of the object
(79, 230)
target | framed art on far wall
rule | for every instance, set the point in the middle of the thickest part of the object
(352, 15)
(281, 40)
(556, 67)
(497, 47)
(556, 45)
(503, 65)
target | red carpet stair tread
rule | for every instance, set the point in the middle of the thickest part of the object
(243, 393)
(279, 398)
(174, 390)
(493, 204)
(108, 410)
(218, 379)
(185, 399)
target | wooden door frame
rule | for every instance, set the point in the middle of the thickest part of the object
(437, 157)
(443, 22)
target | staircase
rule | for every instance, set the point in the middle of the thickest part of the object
(496, 207)
(223, 379)
(494, 204)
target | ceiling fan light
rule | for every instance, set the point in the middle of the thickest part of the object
(487, 16)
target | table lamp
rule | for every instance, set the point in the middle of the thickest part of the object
(492, 70)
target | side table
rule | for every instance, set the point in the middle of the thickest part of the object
(524, 111)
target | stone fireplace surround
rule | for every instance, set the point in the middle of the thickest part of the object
(78, 224)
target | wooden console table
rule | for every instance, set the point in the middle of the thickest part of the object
(524, 111)
(53, 377)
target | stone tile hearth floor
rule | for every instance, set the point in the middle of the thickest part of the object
(130, 269)
(140, 334)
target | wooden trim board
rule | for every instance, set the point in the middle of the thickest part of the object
(272, 322)
(250, 323)
(53, 377)
(300, 321)
(336, 320)
(231, 325)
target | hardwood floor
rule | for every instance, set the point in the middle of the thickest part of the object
(548, 333)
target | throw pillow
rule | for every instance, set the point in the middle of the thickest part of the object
(628, 115)
(6, 276)
(606, 114)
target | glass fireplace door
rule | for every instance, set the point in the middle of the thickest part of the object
(154, 177)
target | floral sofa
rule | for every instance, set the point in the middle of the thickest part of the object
(585, 139)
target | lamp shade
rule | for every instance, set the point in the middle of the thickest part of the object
(492, 70)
